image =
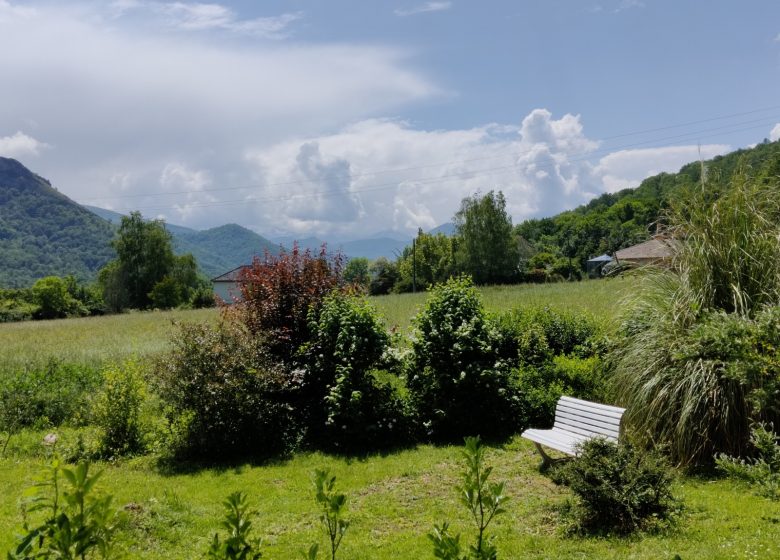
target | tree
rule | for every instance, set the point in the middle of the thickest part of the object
(146, 272)
(384, 275)
(51, 294)
(356, 272)
(430, 262)
(488, 250)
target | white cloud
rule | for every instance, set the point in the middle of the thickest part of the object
(629, 4)
(775, 133)
(423, 8)
(8, 11)
(20, 145)
(207, 16)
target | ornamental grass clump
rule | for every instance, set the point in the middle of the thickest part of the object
(697, 361)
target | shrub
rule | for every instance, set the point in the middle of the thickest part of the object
(484, 500)
(224, 395)
(237, 545)
(458, 384)
(51, 396)
(333, 507)
(352, 410)
(76, 524)
(53, 299)
(279, 292)
(680, 388)
(619, 489)
(117, 410)
(763, 469)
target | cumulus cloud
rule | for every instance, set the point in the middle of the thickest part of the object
(423, 8)
(775, 133)
(20, 145)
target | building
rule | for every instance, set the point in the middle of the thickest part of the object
(657, 251)
(226, 285)
(595, 265)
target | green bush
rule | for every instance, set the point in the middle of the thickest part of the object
(237, 545)
(117, 410)
(690, 368)
(51, 396)
(224, 396)
(356, 410)
(458, 383)
(618, 488)
(761, 470)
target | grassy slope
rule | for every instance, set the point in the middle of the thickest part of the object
(394, 499)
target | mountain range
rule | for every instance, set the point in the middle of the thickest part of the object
(43, 233)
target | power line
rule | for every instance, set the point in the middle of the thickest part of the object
(426, 166)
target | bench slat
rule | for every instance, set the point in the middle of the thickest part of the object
(575, 404)
(586, 431)
(591, 404)
(563, 417)
(595, 414)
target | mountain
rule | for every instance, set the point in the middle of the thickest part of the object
(447, 229)
(216, 250)
(43, 232)
(222, 248)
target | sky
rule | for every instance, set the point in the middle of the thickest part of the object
(341, 119)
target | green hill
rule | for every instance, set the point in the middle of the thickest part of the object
(43, 232)
(616, 220)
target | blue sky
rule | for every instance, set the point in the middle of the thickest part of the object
(343, 118)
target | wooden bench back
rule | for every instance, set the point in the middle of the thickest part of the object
(588, 418)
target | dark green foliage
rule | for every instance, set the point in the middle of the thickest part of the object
(238, 545)
(483, 499)
(333, 507)
(117, 410)
(54, 300)
(54, 395)
(430, 261)
(146, 273)
(356, 411)
(556, 354)
(44, 233)
(619, 488)
(76, 524)
(356, 273)
(487, 249)
(224, 395)
(762, 469)
(458, 383)
(384, 275)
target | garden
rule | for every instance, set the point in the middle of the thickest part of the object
(301, 423)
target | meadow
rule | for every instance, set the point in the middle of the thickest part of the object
(394, 498)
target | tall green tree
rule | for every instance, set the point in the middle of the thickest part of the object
(146, 272)
(488, 249)
(430, 261)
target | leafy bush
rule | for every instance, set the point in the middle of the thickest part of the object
(53, 299)
(458, 384)
(117, 410)
(540, 387)
(351, 409)
(76, 523)
(237, 545)
(53, 395)
(279, 292)
(762, 470)
(484, 500)
(690, 368)
(224, 395)
(619, 489)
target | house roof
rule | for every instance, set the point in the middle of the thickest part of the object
(601, 258)
(230, 275)
(656, 248)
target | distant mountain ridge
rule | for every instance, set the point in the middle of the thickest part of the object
(43, 232)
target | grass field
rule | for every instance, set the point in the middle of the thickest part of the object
(394, 498)
(95, 340)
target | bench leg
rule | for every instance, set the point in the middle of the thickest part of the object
(546, 459)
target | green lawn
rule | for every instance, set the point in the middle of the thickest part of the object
(394, 500)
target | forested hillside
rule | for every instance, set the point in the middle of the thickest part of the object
(43, 232)
(616, 220)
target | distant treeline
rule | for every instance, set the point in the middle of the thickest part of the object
(491, 250)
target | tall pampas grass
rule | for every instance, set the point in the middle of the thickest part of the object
(726, 270)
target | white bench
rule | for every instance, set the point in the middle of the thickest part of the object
(576, 421)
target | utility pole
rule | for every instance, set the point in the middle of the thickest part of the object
(414, 265)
